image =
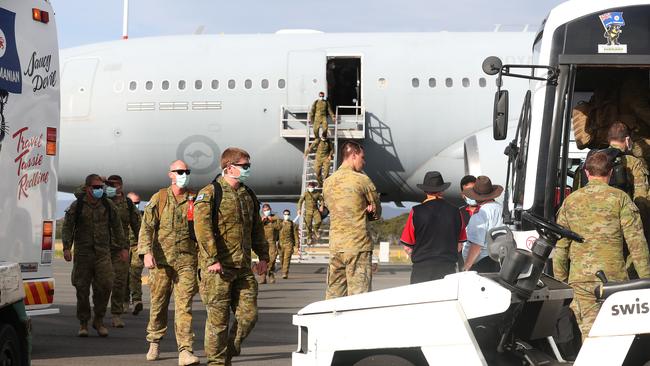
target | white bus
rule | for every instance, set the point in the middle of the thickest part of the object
(29, 127)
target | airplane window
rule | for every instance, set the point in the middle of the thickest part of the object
(282, 83)
(432, 82)
(231, 84)
(198, 84)
(148, 85)
(165, 85)
(248, 84)
(449, 82)
(465, 82)
(265, 84)
(382, 83)
(215, 84)
(181, 84)
(482, 82)
(415, 82)
(133, 85)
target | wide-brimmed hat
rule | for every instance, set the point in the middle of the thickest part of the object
(483, 189)
(433, 182)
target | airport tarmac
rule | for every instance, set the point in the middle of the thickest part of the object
(271, 342)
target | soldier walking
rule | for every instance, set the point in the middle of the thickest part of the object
(137, 264)
(311, 212)
(271, 231)
(228, 226)
(130, 219)
(352, 200)
(318, 114)
(170, 253)
(324, 149)
(91, 225)
(288, 240)
(606, 218)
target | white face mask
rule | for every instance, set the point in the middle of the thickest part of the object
(287, 217)
(182, 180)
(310, 189)
(470, 201)
(266, 213)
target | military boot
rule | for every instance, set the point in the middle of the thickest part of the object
(263, 279)
(100, 328)
(154, 352)
(83, 330)
(137, 307)
(285, 276)
(186, 357)
(125, 307)
(117, 322)
(271, 277)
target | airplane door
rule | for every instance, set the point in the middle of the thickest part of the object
(306, 76)
(77, 87)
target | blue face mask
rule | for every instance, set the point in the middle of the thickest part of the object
(111, 192)
(243, 174)
(98, 193)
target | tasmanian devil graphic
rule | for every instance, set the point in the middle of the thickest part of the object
(4, 96)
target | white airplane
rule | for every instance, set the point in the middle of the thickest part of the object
(416, 101)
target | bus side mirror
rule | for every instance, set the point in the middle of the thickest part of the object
(500, 117)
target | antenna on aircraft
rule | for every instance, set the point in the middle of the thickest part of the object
(125, 21)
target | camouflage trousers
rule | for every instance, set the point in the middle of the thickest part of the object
(120, 292)
(586, 310)
(322, 168)
(235, 289)
(312, 221)
(273, 256)
(286, 252)
(87, 271)
(181, 279)
(135, 275)
(349, 274)
(320, 123)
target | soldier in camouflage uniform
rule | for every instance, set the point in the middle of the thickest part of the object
(606, 218)
(226, 234)
(271, 229)
(318, 114)
(137, 264)
(288, 240)
(352, 200)
(92, 226)
(170, 253)
(324, 149)
(130, 219)
(311, 212)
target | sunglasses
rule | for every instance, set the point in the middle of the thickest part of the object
(97, 187)
(181, 171)
(245, 166)
(136, 203)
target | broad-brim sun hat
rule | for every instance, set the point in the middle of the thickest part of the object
(433, 182)
(483, 189)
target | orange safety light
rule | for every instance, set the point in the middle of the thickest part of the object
(50, 147)
(48, 232)
(40, 15)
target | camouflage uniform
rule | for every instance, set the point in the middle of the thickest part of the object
(229, 240)
(93, 237)
(288, 239)
(130, 219)
(606, 218)
(136, 267)
(167, 237)
(311, 214)
(347, 193)
(323, 161)
(318, 114)
(271, 229)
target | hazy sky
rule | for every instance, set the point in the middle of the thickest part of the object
(83, 21)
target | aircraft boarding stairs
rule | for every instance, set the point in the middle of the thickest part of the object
(294, 125)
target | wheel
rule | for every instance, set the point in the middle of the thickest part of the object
(385, 360)
(9, 346)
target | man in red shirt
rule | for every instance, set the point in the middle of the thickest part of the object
(432, 232)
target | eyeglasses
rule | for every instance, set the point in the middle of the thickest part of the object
(97, 187)
(181, 171)
(245, 166)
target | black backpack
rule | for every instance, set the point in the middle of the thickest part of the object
(619, 175)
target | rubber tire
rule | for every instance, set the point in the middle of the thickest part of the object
(9, 346)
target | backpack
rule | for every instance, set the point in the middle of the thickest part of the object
(218, 196)
(79, 209)
(619, 175)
